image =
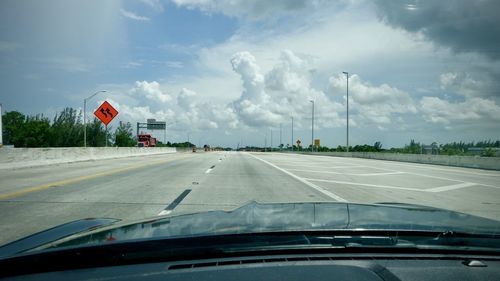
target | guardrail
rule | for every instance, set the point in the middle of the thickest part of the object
(489, 163)
(30, 157)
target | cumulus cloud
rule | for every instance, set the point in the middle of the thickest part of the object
(464, 26)
(437, 110)
(253, 81)
(285, 91)
(378, 104)
(465, 84)
(270, 98)
(185, 109)
(477, 96)
(150, 90)
(133, 16)
(186, 99)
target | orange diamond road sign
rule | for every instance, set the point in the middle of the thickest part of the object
(106, 113)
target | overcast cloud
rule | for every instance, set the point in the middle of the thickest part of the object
(462, 25)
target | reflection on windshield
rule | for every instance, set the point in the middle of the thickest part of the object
(255, 218)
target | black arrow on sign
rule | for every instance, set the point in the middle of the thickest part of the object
(109, 111)
(102, 111)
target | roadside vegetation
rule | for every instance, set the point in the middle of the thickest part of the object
(66, 130)
(486, 148)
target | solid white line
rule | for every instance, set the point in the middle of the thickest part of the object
(450, 187)
(326, 192)
(208, 171)
(164, 212)
(366, 184)
(488, 185)
(319, 166)
(350, 174)
(446, 169)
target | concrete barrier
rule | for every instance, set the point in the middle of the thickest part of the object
(30, 157)
(489, 163)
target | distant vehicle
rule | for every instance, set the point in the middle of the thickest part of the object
(146, 140)
(194, 148)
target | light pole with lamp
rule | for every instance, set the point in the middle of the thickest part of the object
(347, 102)
(292, 133)
(312, 127)
(85, 118)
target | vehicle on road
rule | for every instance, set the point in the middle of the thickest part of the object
(284, 241)
(146, 140)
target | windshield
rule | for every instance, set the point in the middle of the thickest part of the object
(141, 110)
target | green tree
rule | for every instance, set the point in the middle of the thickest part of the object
(124, 135)
(13, 124)
(488, 152)
(36, 132)
(67, 129)
(96, 133)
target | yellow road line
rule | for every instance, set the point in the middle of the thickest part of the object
(82, 178)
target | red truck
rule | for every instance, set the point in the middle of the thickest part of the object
(146, 140)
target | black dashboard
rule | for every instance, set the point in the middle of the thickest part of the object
(295, 267)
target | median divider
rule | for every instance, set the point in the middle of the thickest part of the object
(478, 162)
(30, 157)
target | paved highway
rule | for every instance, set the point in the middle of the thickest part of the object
(33, 199)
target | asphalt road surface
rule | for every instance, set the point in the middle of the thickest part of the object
(34, 199)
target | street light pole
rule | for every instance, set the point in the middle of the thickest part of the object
(271, 140)
(292, 133)
(347, 133)
(312, 127)
(265, 143)
(280, 139)
(85, 117)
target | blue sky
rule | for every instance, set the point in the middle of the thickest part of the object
(228, 72)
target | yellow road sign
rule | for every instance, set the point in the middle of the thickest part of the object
(316, 142)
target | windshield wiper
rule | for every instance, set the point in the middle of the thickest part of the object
(366, 241)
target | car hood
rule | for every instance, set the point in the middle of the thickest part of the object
(254, 217)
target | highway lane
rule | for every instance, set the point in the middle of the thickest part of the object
(34, 199)
(38, 198)
(358, 180)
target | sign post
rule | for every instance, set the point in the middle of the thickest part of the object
(106, 113)
(152, 124)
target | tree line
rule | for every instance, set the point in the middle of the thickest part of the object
(486, 148)
(64, 130)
